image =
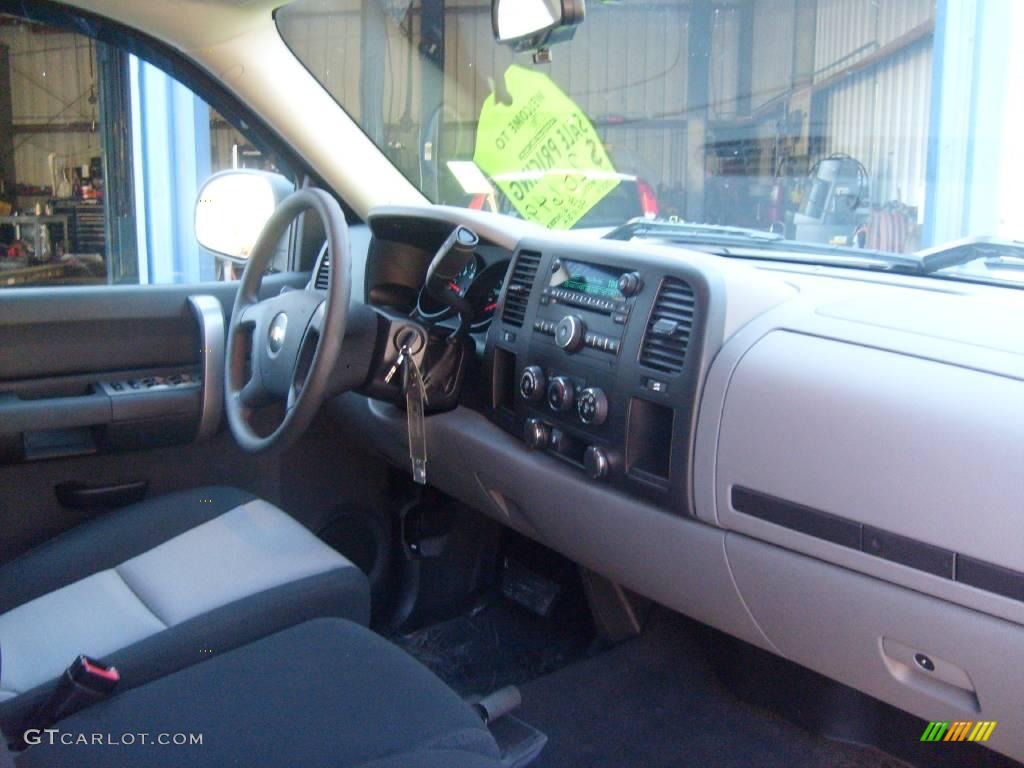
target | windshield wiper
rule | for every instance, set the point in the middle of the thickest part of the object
(641, 227)
(995, 252)
(684, 232)
(1005, 261)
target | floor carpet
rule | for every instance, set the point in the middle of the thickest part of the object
(650, 702)
(501, 644)
(653, 702)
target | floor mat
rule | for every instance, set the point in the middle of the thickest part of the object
(654, 702)
(502, 644)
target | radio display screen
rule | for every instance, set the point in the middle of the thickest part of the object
(590, 279)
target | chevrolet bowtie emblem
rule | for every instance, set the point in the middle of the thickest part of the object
(275, 336)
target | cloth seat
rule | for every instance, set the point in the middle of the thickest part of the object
(324, 694)
(160, 585)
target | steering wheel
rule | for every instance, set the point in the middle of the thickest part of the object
(285, 348)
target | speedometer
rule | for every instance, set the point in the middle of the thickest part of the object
(431, 309)
(484, 293)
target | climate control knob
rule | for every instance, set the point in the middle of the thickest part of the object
(569, 333)
(560, 393)
(531, 383)
(536, 433)
(595, 461)
(591, 406)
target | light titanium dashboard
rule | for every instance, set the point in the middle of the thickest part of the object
(842, 484)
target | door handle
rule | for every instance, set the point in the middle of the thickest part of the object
(91, 496)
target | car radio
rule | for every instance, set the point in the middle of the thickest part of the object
(586, 305)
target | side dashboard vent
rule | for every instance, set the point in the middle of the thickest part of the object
(517, 294)
(668, 331)
(322, 272)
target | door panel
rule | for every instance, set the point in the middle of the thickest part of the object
(61, 350)
(311, 480)
(61, 331)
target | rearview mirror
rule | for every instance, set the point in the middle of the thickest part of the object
(529, 25)
(232, 208)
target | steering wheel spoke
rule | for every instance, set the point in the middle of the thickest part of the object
(248, 315)
(317, 320)
(252, 395)
(306, 357)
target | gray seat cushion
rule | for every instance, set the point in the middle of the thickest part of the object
(161, 585)
(325, 694)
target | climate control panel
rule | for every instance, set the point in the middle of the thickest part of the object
(588, 404)
(567, 413)
(593, 360)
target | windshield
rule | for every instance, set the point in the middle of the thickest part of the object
(883, 125)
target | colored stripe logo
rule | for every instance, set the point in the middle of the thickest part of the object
(959, 730)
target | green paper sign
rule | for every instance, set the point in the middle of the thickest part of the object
(542, 151)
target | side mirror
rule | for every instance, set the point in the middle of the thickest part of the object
(530, 25)
(232, 208)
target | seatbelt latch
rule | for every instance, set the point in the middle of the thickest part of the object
(85, 682)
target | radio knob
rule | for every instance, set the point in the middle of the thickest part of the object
(536, 433)
(595, 462)
(560, 393)
(569, 333)
(630, 284)
(531, 383)
(592, 406)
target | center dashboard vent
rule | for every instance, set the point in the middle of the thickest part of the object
(668, 330)
(323, 271)
(517, 294)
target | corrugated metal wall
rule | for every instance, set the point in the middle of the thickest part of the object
(329, 43)
(880, 116)
(849, 30)
(723, 75)
(52, 83)
(631, 78)
(772, 75)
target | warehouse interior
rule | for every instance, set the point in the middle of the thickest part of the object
(90, 136)
(732, 111)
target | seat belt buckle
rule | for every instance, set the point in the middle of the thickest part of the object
(84, 683)
(95, 677)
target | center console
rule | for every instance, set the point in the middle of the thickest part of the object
(593, 360)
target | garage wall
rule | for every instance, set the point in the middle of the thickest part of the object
(52, 83)
(646, 134)
(639, 50)
(51, 79)
(330, 46)
(850, 30)
(881, 118)
(772, 74)
(651, 37)
(880, 115)
(724, 71)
